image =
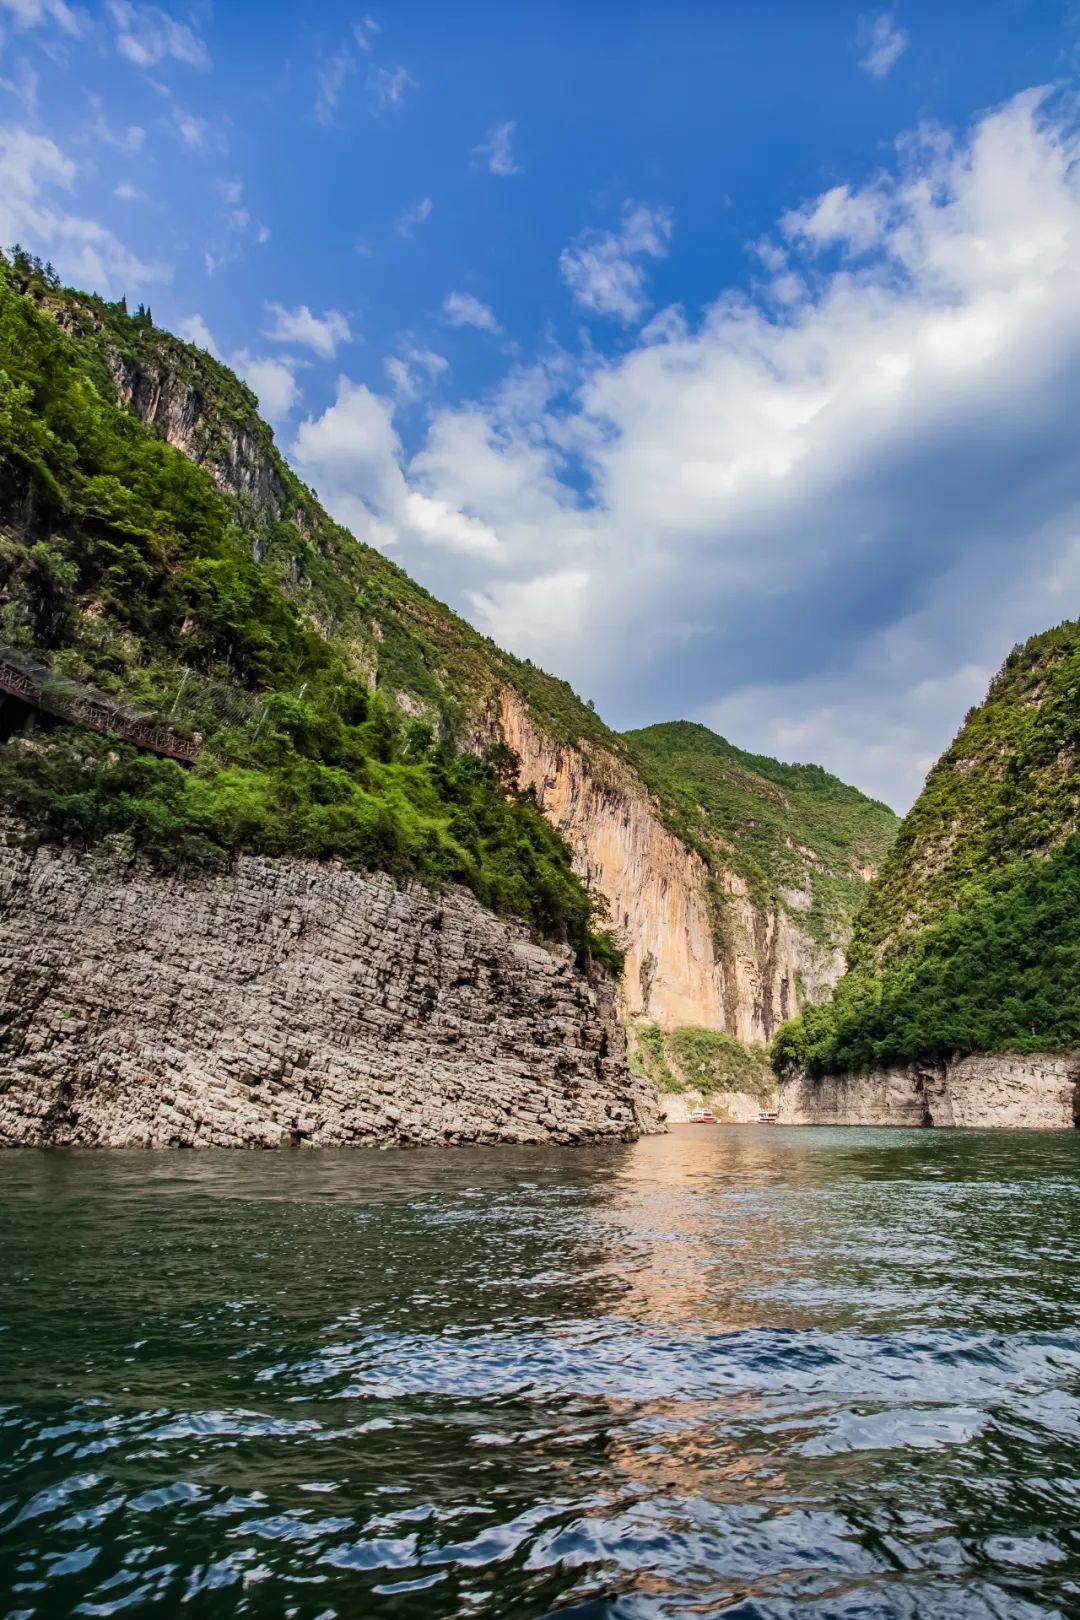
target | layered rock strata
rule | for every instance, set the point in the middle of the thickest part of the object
(1038, 1091)
(291, 1002)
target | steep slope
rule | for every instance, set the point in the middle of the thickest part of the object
(969, 940)
(706, 942)
(789, 831)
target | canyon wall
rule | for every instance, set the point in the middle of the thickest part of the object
(681, 967)
(1039, 1091)
(289, 1002)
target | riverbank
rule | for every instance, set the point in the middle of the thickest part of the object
(291, 1002)
(988, 1090)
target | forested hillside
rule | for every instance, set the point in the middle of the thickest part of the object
(969, 940)
(791, 831)
(244, 618)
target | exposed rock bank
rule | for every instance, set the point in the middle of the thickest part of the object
(1039, 1091)
(291, 1002)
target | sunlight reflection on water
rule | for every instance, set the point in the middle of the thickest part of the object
(757, 1372)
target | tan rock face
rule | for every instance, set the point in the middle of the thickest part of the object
(291, 1002)
(1037, 1091)
(678, 971)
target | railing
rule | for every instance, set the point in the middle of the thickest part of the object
(97, 714)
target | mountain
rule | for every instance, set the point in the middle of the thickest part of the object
(791, 831)
(968, 942)
(159, 551)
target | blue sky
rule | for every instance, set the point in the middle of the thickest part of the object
(721, 358)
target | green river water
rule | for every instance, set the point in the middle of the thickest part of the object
(751, 1372)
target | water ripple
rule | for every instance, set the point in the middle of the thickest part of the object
(781, 1375)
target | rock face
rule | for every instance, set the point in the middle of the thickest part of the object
(161, 397)
(291, 1002)
(679, 968)
(1040, 1091)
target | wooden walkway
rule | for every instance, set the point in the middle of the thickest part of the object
(84, 708)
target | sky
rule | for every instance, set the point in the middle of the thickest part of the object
(723, 359)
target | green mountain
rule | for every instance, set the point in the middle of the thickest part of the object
(969, 940)
(156, 549)
(793, 832)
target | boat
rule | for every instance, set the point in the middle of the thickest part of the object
(703, 1116)
(768, 1116)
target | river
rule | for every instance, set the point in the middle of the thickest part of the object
(755, 1372)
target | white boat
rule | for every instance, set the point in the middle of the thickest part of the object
(703, 1116)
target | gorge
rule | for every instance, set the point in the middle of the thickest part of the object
(168, 560)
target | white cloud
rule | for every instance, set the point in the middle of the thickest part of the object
(817, 525)
(496, 150)
(129, 139)
(126, 192)
(32, 13)
(881, 42)
(148, 36)
(414, 216)
(191, 130)
(462, 309)
(413, 369)
(195, 330)
(855, 220)
(24, 88)
(604, 270)
(272, 380)
(322, 333)
(32, 168)
(352, 453)
(331, 83)
(387, 87)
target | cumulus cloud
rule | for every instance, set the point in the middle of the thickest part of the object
(462, 309)
(819, 524)
(148, 36)
(881, 42)
(605, 270)
(32, 170)
(272, 380)
(353, 454)
(322, 333)
(496, 151)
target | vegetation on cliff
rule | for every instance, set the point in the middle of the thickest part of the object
(797, 835)
(969, 940)
(702, 1060)
(124, 566)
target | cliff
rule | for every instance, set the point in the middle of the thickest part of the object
(290, 1002)
(699, 950)
(1032, 1090)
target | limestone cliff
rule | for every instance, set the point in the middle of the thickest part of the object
(1033, 1090)
(685, 964)
(291, 1002)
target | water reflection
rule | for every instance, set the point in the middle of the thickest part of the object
(760, 1372)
